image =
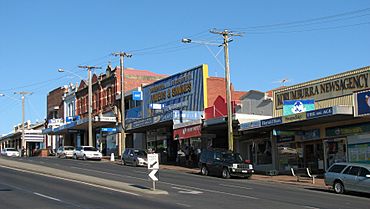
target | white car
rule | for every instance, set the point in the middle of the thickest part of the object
(10, 152)
(65, 151)
(87, 152)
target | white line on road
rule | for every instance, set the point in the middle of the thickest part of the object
(72, 180)
(185, 205)
(47, 197)
(310, 207)
(233, 186)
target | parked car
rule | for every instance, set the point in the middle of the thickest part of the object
(65, 151)
(345, 177)
(224, 163)
(87, 152)
(10, 152)
(135, 157)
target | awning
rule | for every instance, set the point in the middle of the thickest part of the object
(306, 118)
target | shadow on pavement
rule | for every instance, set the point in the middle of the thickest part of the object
(357, 194)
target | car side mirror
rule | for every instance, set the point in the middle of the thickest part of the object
(131, 155)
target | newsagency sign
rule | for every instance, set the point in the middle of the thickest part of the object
(328, 88)
(182, 91)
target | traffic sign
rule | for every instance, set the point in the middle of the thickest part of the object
(153, 162)
(153, 176)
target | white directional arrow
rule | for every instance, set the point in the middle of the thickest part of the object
(187, 191)
(152, 175)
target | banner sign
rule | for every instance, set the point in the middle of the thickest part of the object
(187, 132)
(297, 106)
(362, 103)
(319, 113)
(328, 88)
(250, 125)
(184, 116)
(182, 91)
(294, 118)
(271, 122)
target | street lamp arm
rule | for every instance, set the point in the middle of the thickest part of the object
(61, 70)
(188, 41)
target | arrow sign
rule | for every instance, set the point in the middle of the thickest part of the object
(153, 162)
(152, 175)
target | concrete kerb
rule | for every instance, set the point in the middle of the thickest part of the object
(78, 177)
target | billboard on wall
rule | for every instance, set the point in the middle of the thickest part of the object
(182, 91)
(297, 106)
(362, 103)
(185, 91)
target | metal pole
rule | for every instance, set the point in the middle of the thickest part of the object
(228, 94)
(22, 140)
(90, 142)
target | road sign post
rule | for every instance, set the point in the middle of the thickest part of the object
(153, 166)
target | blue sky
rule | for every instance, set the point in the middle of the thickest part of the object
(287, 39)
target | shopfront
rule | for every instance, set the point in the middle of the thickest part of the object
(171, 101)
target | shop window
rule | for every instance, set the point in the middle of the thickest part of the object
(263, 152)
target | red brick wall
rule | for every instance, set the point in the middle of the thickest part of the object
(55, 99)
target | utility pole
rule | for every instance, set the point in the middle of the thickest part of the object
(23, 93)
(226, 34)
(122, 141)
(89, 68)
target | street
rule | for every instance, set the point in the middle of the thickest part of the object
(27, 189)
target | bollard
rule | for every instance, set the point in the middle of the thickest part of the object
(112, 156)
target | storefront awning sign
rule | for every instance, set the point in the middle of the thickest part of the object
(187, 132)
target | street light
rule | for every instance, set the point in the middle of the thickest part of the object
(225, 44)
(61, 70)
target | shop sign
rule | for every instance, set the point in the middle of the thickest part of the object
(348, 130)
(137, 95)
(183, 116)
(311, 134)
(105, 119)
(250, 125)
(149, 121)
(297, 106)
(319, 113)
(362, 103)
(108, 129)
(271, 122)
(294, 118)
(183, 91)
(328, 88)
(187, 132)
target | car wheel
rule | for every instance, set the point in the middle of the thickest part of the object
(338, 187)
(84, 158)
(225, 173)
(204, 170)
(135, 163)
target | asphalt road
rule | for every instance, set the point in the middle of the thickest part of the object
(185, 190)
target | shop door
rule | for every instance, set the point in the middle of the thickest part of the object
(335, 151)
(313, 156)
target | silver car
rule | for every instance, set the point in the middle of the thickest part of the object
(345, 177)
(135, 157)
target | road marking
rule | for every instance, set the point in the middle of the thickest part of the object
(146, 172)
(47, 197)
(72, 180)
(233, 186)
(310, 207)
(185, 205)
(187, 191)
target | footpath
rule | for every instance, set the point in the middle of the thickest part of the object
(285, 179)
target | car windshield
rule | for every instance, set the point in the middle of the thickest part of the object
(232, 157)
(68, 148)
(140, 153)
(90, 149)
(11, 149)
